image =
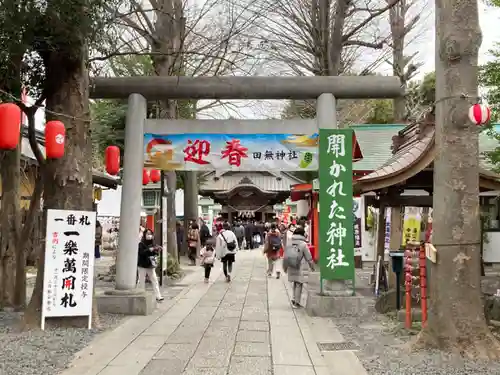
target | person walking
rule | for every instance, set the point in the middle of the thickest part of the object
(297, 257)
(239, 232)
(179, 231)
(193, 239)
(142, 228)
(98, 240)
(204, 233)
(249, 235)
(226, 246)
(147, 262)
(272, 247)
(207, 256)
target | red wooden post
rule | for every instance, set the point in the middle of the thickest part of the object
(150, 222)
(423, 284)
(408, 285)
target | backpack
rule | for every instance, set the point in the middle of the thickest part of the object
(192, 238)
(274, 242)
(293, 256)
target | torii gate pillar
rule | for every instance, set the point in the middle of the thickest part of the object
(140, 89)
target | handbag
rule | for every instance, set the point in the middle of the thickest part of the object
(193, 237)
(209, 260)
(154, 261)
(230, 245)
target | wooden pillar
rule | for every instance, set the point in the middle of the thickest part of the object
(315, 226)
(150, 222)
(381, 229)
(396, 238)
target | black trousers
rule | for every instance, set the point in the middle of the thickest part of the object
(192, 253)
(249, 240)
(208, 269)
(227, 264)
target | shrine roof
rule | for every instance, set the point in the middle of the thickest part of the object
(265, 181)
(412, 151)
(375, 142)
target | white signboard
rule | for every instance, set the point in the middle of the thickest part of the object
(69, 264)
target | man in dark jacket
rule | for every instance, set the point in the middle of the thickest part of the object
(180, 237)
(249, 229)
(204, 233)
(239, 232)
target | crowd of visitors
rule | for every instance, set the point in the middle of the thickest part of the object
(285, 247)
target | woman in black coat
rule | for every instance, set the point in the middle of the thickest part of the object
(147, 263)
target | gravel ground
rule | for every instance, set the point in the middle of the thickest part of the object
(48, 352)
(384, 350)
(43, 352)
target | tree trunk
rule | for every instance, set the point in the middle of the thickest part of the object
(397, 16)
(32, 315)
(456, 317)
(190, 179)
(191, 195)
(67, 181)
(27, 233)
(171, 183)
(167, 44)
(9, 225)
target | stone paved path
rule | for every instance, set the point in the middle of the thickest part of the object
(246, 327)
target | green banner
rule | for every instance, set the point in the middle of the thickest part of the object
(336, 235)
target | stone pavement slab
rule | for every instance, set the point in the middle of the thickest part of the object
(246, 327)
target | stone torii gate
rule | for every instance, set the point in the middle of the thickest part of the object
(125, 299)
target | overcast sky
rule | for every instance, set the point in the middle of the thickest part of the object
(489, 18)
(421, 41)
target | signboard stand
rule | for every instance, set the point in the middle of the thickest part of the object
(68, 280)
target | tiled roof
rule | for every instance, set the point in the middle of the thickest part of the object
(408, 146)
(412, 144)
(375, 142)
(264, 180)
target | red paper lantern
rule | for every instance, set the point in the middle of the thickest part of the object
(10, 126)
(479, 114)
(55, 134)
(145, 176)
(155, 175)
(112, 160)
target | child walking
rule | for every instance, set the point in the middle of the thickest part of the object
(207, 256)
